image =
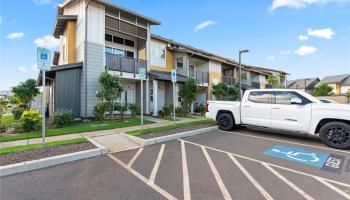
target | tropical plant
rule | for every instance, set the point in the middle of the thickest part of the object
(62, 118)
(188, 93)
(222, 90)
(17, 112)
(24, 92)
(134, 109)
(122, 108)
(322, 90)
(100, 110)
(348, 94)
(273, 81)
(30, 120)
(111, 90)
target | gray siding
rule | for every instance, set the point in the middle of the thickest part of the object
(67, 90)
(168, 93)
(94, 67)
(138, 94)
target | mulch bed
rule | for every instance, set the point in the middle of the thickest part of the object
(43, 153)
(174, 131)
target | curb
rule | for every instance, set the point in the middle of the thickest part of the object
(146, 142)
(50, 161)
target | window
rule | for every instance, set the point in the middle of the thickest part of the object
(284, 97)
(118, 52)
(129, 54)
(259, 97)
(179, 99)
(108, 37)
(151, 95)
(157, 54)
(179, 65)
(118, 40)
(129, 43)
(109, 49)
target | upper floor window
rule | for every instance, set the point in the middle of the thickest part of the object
(157, 54)
(129, 43)
(119, 40)
(179, 65)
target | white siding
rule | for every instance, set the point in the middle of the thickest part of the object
(214, 66)
(155, 54)
(96, 23)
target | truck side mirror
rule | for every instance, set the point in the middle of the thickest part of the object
(296, 101)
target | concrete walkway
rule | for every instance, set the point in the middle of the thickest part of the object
(118, 140)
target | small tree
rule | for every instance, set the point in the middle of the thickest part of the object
(322, 90)
(348, 94)
(110, 90)
(3, 105)
(188, 93)
(273, 81)
(222, 90)
(25, 91)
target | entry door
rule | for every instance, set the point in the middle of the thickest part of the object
(256, 110)
(161, 95)
(287, 116)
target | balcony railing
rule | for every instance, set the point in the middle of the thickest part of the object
(200, 76)
(229, 80)
(255, 85)
(124, 64)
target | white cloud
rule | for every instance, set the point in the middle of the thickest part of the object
(305, 50)
(22, 69)
(270, 58)
(286, 52)
(303, 37)
(297, 4)
(42, 2)
(15, 35)
(47, 41)
(326, 33)
(204, 25)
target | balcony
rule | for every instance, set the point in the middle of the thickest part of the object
(229, 80)
(200, 76)
(255, 85)
(123, 64)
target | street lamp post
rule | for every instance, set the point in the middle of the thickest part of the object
(240, 72)
(306, 79)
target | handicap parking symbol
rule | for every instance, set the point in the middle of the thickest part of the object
(307, 157)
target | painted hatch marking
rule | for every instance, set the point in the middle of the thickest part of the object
(304, 156)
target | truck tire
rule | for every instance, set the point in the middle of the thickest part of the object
(336, 135)
(225, 121)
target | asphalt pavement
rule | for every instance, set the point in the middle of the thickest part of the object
(241, 164)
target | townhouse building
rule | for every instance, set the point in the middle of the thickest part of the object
(339, 83)
(97, 35)
(305, 84)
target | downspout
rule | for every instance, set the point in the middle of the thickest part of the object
(85, 55)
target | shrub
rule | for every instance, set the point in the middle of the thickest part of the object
(201, 109)
(100, 110)
(180, 110)
(166, 111)
(134, 109)
(17, 112)
(62, 118)
(30, 120)
(122, 109)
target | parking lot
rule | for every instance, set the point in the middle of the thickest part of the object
(242, 164)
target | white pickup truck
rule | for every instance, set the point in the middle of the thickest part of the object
(288, 110)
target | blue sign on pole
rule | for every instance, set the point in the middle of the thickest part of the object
(173, 75)
(43, 59)
(303, 156)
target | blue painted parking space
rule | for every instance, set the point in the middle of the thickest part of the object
(304, 156)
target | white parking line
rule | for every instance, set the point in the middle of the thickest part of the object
(131, 162)
(143, 179)
(251, 178)
(285, 141)
(344, 194)
(270, 164)
(186, 180)
(216, 174)
(292, 185)
(156, 164)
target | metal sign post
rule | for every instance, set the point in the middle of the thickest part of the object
(173, 79)
(43, 63)
(142, 76)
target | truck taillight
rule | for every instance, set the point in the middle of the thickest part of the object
(207, 107)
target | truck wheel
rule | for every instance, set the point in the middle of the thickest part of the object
(225, 121)
(336, 135)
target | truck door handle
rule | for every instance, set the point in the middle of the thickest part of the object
(246, 106)
(276, 108)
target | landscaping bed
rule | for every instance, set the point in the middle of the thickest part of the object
(17, 154)
(172, 129)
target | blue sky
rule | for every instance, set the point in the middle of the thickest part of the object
(306, 38)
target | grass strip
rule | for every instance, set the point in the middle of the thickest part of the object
(22, 148)
(169, 127)
(77, 128)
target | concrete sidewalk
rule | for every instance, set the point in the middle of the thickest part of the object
(92, 134)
